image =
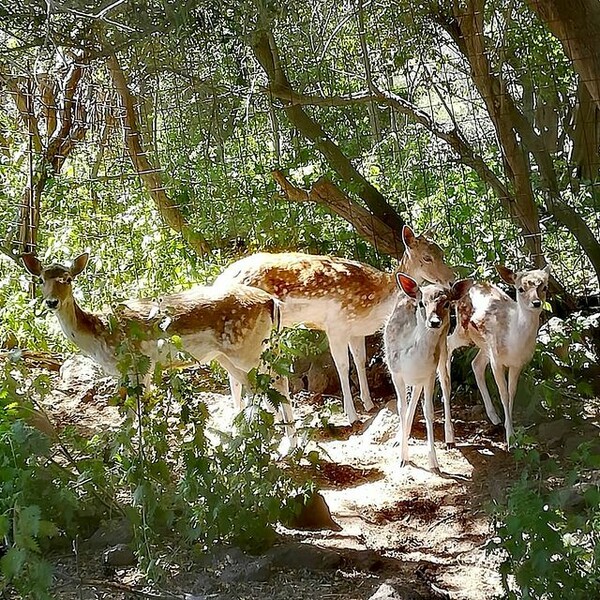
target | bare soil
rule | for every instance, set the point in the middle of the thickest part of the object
(422, 532)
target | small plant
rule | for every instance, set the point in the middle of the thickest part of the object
(547, 530)
(45, 498)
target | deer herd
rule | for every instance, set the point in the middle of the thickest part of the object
(232, 320)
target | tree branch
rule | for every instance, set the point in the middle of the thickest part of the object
(383, 237)
(266, 52)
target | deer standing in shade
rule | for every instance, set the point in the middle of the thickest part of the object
(415, 348)
(345, 298)
(229, 324)
(505, 332)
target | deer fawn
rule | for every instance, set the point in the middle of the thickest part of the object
(347, 299)
(505, 332)
(229, 324)
(415, 347)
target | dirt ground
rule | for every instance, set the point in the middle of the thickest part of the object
(422, 533)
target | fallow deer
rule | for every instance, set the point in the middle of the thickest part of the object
(347, 299)
(505, 332)
(229, 324)
(415, 347)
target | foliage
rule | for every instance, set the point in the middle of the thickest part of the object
(175, 479)
(548, 529)
(44, 497)
(563, 369)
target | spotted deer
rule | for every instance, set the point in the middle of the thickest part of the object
(505, 332)
(415, 346)
(347, 299)
(229, 324)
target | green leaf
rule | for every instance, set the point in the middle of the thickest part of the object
(13, 561)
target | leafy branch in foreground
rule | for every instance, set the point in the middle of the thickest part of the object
(547, 531)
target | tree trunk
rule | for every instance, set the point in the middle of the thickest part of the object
(150, 174)
(576, 23)
(467, 31)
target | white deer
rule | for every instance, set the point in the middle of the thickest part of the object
(505, 332)
(345, 298)
(229, 324)
(415, 347)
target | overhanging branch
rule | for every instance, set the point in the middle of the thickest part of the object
(383, 237)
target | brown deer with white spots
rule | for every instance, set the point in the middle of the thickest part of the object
(504, 330)
(345, 298)
(229, 324)
(415, 348)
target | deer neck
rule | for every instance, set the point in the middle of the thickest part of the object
(526, 322)
(89, 333)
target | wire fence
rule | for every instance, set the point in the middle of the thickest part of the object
(212, 144)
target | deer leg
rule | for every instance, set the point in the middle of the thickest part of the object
(446, 385)
(281, 384)
(479, 364)
(359, 353)
(236, 392)
(339, 352)
(237, 379)
(428, 412)
(499, 372)
(402, 434)
(513, 380)
(415, 394)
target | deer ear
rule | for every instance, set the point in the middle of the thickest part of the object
(32, 264)
(408, 236)
(79, 264)
(507, 274)
(460, 288)
(407, 284)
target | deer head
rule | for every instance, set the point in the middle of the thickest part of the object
(531, 286)
(433, 301)
(56, 280)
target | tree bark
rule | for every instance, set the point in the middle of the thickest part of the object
(467, 31)
(150, 174)
(52, 144)
(576, 23)
(372, 229)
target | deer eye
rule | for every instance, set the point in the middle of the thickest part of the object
(427, 259)
(521, 290)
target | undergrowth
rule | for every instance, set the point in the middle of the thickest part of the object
(173, 478)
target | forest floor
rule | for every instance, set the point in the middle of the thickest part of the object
(405, 532)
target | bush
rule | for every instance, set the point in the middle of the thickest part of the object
(174, 482)
(548, 528)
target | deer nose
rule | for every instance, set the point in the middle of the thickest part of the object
(52, 303)
(536, 303)
(434, 322)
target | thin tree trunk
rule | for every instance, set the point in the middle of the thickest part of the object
(150, 174)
